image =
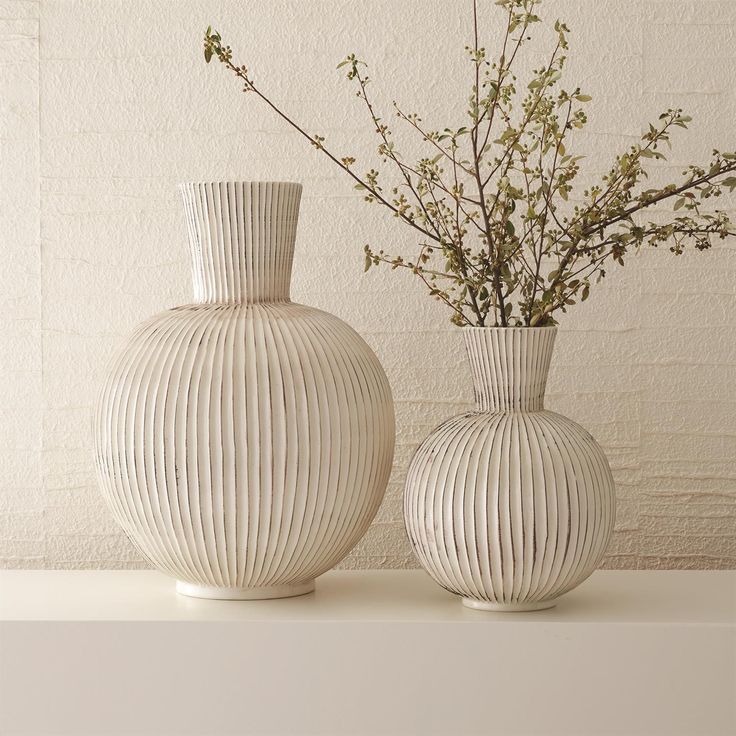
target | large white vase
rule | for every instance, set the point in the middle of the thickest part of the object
(244, 442)
(509, 506)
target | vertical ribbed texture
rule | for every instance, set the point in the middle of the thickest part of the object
(241, 239)
(244, 445)
(509, 506)
(509, 366)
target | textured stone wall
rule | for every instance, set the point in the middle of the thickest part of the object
(106, 104)
(22, 498)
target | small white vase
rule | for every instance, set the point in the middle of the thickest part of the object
(509, 506)
(244, 442)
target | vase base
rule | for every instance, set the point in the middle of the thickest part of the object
(508, 607)
(216, 592)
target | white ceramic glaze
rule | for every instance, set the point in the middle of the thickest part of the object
(509, 506)
(244, 442)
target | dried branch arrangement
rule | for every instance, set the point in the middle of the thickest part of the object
(502, 239)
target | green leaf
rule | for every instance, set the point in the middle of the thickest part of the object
(583, 98)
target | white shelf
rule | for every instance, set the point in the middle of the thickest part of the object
(370, 653)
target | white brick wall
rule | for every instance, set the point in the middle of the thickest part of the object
(106, 104)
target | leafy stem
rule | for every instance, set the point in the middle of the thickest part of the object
(506, 237)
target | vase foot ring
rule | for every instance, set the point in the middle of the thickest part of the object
(508, 607)
(243, 594)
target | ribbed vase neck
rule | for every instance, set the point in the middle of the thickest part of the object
(509, 366)
(241, 237)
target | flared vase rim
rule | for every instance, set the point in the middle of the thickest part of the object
(476, 328)
(246, 182)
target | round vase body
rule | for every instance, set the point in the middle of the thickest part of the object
(509, 506)
(244, 442)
